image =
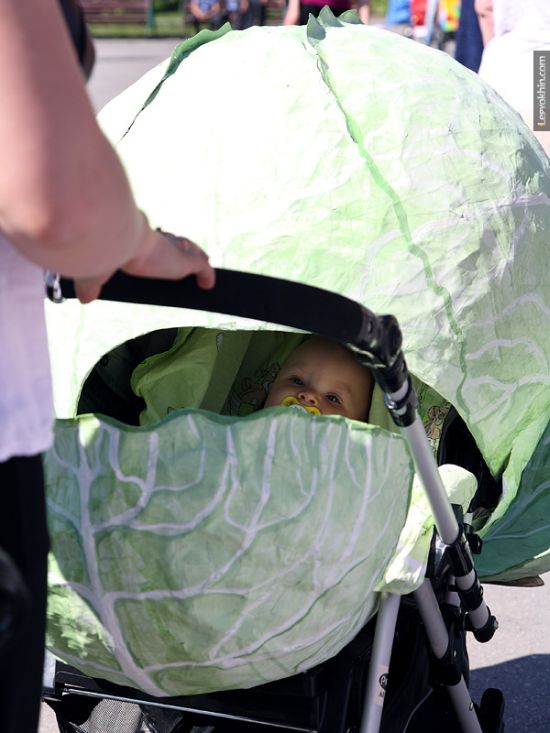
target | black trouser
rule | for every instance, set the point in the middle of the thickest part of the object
(24, 537)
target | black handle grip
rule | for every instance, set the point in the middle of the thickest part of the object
(376, 339)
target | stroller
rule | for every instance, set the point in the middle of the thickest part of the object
(348, 691)
(467, 287)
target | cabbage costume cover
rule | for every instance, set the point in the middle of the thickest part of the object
(204, 551)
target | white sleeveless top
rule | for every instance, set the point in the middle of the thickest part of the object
(26, 406)
(530, 19)
(507, 61)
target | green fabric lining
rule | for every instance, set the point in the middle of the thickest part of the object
(225, 372)
(230, 372)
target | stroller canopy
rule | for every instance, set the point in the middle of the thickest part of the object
(355, 160)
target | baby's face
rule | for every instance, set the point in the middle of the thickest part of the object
(325, 375)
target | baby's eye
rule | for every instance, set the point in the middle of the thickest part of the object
(297, 381)
(334, 399)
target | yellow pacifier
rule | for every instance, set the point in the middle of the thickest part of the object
(293, 402)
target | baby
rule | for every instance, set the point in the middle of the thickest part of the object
(323, 377)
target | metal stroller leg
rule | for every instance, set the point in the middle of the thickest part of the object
(380, 663)
(439, 641)
(482, 623)
(390, 371)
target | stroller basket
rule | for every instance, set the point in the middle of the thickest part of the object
(327, 698)
(376, 342)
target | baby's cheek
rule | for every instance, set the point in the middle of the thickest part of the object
(271, 399)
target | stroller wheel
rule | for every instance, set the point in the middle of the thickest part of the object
(491, 711)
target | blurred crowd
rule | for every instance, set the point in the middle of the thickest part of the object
(495, 38)
(244, 14)
(240, 13)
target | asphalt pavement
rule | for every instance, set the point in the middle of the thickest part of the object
(121, 62)
(517, 660)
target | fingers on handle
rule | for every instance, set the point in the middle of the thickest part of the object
(192, 260)
(206, 278)
(170, 258)
(87, 290)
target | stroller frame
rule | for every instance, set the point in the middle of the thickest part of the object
(376, 341)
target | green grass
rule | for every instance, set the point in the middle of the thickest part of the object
(379, 8)
(170, 24)
(166, 25)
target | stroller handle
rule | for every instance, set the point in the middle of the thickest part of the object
(375, 339)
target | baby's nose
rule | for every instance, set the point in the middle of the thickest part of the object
(308, 397)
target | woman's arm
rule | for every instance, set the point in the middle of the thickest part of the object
(65, 201)
(484, 10)
(363, 10)
(292, 15)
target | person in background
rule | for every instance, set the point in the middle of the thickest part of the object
(235, 12)
(469, 43)
(511, 33)
(256, 14)
(297, 12)
(206, 13)
(398, 13)
(65, 206)
(484, 12)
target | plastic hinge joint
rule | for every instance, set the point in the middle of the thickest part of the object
(403, 411)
